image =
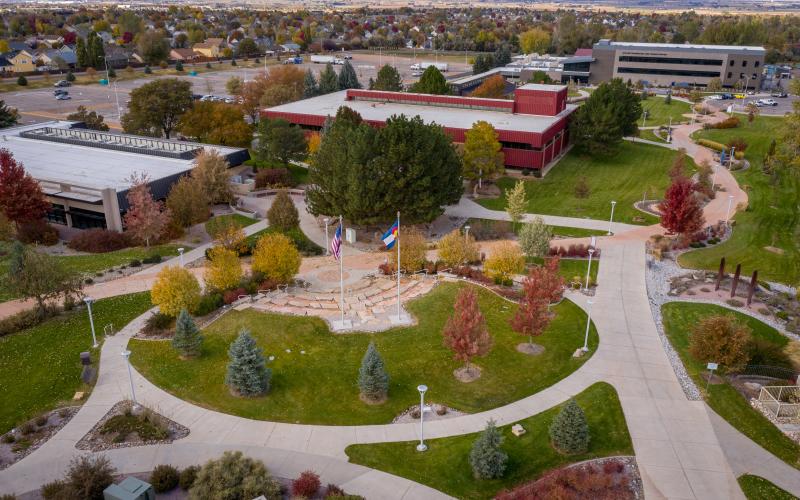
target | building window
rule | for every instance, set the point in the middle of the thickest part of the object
(755, 76)
(57, 214)
(669, 72)
(671, 60)
(730, 75)
(86, 219)
(744, 64)
(732, 62)
(757, 64)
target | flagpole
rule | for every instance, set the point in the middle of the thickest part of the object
(341, 273)
(397, 238)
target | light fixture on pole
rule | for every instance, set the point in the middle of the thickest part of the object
(728, 212)
(180, 254)
(611, 219)
(422, 389)
(730, 160)
(588, 322)
(89, 301)
(589, 269)
(669, 130)
(466, 233)
(127, 355)
(327, 246)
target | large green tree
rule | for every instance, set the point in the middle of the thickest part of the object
(432, 81)
(156, 108)
(347, 77)
(153, 46)
(610, 114)
(310, 86)
(328, 81)
(367, 175)
(483, 157)
(8, 116)
(280, 142)
(388, 79)
(36, 275)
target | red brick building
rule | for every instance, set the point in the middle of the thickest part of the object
(532, 127)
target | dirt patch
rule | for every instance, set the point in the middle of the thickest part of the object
(531, 349)
(467, 374)
(372, 402)
(715, 379)
(774, 250)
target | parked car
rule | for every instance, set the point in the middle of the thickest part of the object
(347, 56)
(727, 96)
(766, 102)
(779, 93)
(58, 92)
(63, 97)
(715, 97)
(738, 96)
(62, 83)
(751, 92)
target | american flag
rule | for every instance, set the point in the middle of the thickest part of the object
(336, 244)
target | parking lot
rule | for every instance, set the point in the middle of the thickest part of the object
(784, 104)
(41, 105)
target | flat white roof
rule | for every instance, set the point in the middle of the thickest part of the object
(85, 166)
(463, 118)
(542, 87)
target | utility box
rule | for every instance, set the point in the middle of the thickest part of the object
(130, 488)
(350, 235)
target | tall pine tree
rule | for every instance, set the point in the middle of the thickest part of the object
(187, 340)
(432, 81)
(373, 381)
(347, 77)
(487, 459)
(569, 432)
(310, 88)
(610, 114)
(388, 79)
(328, 81)
(80, 52)
(247, 374)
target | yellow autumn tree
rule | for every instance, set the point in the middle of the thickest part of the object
(505, 261)
(456, 249)
(412, 250)
(231, 237)
(314, 140)
(276, 256)
(224, 271)
(175, 289)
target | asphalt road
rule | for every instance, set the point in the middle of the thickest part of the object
(41, 105)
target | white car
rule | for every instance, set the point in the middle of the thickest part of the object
(63, 97)
(715, 97)
(766, 102)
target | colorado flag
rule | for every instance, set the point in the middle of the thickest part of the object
(391, 235)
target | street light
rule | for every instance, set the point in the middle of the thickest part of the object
(422, 389)
(327, 246)
(611, 220)
(589, 269)
(180, 255)
(466, 233)
(588, 322)
(89, 301)
(728, 212)
(127, 355)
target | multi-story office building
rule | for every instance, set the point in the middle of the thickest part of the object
(666, 64)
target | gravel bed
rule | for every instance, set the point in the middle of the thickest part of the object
(56, 419)
(406, 416)
(658, 275)
(95, 441)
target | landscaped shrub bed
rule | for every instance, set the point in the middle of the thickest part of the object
(26, 319)
(38, 232)
(580, 250)
(99, 240)
(610, 480)
(730, 122)
(273, 178)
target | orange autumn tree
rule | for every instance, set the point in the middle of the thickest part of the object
(493, 87)
(543, 286)
(465, 332)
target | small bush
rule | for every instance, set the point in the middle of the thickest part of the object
(89, 475)
(188, 475)
(569, 432)
(157, 323)
(782, 315)
(209, 303)
(164, 478)
(739, 143)
(153, 258)
(234, 476)
(55, 490)
(764, 352)
(333, 491)
(307, 485)
(26, 319)
(99, 240)
(22, 81)
(730, 122)
(27, 429)
(41, 420)
(9, 438)
(734, 302)
(720, 339)
(38, 232)
(232, 296)
(135, 263)
(273, 178)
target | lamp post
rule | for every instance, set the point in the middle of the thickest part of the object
(611, 219)
(89, 301)
(180, 255)
(127, 355)
(422, 389)
(327, 246)
(466, 233)
(669, 130)
(588, 322)
(589, 269)
(728, 212)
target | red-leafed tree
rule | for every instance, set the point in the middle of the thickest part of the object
(543, 286)
(146, 218)
(465, 332)
(21, 197)
(681, 211)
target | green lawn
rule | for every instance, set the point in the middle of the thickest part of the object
(570, 268)
(659, 112)
(96, 262)
(216, 223)
(563, 231)
(623, 177)
(773, 219)
(412, 355)
(650, 135)
(724, 399)
(758, 488)
(445, 466)
(40, 367)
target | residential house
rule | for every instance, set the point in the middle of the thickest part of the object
(23, 62)
(57, 59)
(5, 66)
(212, 47)
(116, 56)
(52, 40)
(183, 55)
(290, 47)
(16, 46)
